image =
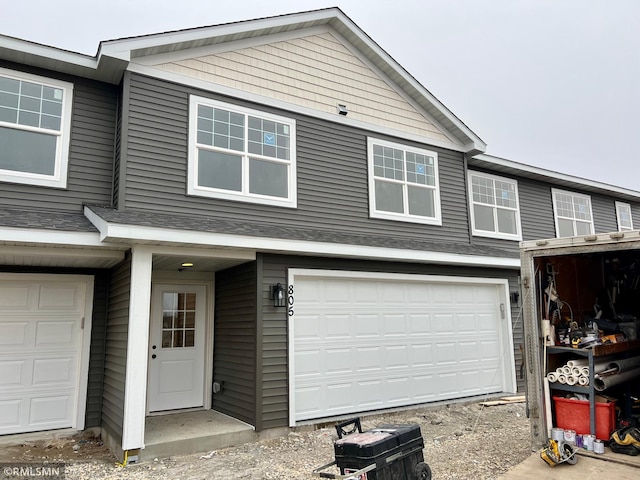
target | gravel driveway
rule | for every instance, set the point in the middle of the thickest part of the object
(462, 441)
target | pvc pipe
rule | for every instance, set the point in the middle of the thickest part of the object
(608, 381)
(584, 372)
(562, 379)
(583, 381)
(566, 370)
(625, 364)
(572, 380)
(552, 377)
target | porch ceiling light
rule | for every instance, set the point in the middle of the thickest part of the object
(186, 264)
(278, 296)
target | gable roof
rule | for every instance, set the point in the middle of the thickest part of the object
(114, 56)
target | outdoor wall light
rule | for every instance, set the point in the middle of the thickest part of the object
(342, 110)
(278, 296)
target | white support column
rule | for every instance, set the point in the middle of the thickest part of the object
(135, 394)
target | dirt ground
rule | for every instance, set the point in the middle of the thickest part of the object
(462, 441)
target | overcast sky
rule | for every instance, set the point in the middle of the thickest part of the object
(550, 83)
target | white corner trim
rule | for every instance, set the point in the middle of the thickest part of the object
(83, 381)
(135, 390)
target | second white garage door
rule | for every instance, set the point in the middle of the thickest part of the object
(45, 329)
(365, 341)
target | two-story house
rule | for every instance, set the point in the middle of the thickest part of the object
(270, 219)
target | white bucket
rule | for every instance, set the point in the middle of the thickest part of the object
(557, 434)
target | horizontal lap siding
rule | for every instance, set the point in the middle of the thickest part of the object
(275, 399)
(332, 178)
(234, 351)
(116, 349)
(604, 214)
(91, 152)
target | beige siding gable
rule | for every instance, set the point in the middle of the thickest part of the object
(315, 72)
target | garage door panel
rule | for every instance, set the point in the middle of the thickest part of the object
(392, 343)
(52, 333)
(13, 334)
(54, 298)
(337, 326)
(56, 371)
(10, 414)
(15, 297)
(48, 411)
(11, 373)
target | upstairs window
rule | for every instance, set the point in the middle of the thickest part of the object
(623, 213)
(403, 183)
(572, 213)
(494, 206)
(35, 122)
(241, 154)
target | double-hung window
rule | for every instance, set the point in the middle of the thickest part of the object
(494, 206)
(240, 154)
(403, 183)
(572, 213)
(623, 214)
(35, 122)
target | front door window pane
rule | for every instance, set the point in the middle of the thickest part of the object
(178, 319)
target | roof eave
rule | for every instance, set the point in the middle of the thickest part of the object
(506, 166)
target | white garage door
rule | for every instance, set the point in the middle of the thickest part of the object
(44, 339)
(361, 341)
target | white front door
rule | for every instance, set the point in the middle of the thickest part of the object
(177, 347)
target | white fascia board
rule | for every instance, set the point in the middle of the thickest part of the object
(116, 47)
(556, 175)
(253, 97)
(134, 234)
(50, 237)
(475, 140)
(45, 51)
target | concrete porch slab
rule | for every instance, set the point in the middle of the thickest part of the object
(193, 432)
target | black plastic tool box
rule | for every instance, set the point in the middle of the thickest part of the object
(395, 450)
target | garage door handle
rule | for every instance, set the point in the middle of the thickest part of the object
(153, 356)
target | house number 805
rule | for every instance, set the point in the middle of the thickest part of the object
(290, 300)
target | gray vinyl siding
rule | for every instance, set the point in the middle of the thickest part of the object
(93, 413)
(91, 147)
(331, 171)
(635, 215)
(275, 399)
(116, 349)
(604, 214)
(234, 358)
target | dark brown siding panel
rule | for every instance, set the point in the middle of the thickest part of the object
(234, 357)
(96, 359)
(116, 349)
(275, 396)
(91, 150)
(332, 176)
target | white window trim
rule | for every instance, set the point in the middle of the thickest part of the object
(402, 217)
(59, 177)
(619, 207)
(192, 181)
(555, 191)
(486, 233)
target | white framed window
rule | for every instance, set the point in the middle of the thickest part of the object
(403, 183)
(495, 210)
(572, 213)
(35, 124)
(236, 153)
(623, 214)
